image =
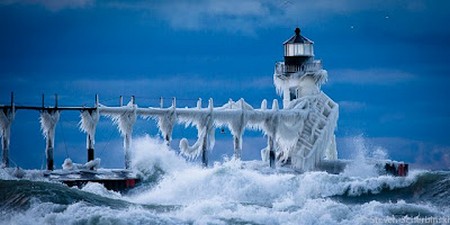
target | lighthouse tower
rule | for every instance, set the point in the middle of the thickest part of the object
(300, 74)
(298, 80)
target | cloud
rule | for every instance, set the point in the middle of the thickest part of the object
(384, 77)
(247, 16)
(53, 5)
(352, 106)
(234, 15)
(240, 16)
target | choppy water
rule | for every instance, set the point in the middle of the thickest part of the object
(177, 192)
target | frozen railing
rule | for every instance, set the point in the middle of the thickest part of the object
(281, 68)
(284, 128)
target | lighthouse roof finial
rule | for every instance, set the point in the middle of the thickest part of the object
(298, 39)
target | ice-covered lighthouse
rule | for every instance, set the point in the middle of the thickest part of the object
(298, 80)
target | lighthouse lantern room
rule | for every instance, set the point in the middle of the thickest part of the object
(300, 74)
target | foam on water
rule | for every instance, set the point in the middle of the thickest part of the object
(151, 156)
(178, 192)
(99, 189)
(360, 165)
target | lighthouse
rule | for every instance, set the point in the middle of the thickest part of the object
(298, 80)
(299, 74)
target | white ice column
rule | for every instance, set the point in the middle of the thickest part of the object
(286, 97)
(269, 127)
(6, 118)
(125, 122)
(88, 124)
(166, 123)
(205, 141)
(208, 140)
(237, 127)
(270, 130)
(48, 120)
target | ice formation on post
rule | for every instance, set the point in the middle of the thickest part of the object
(48, 120)
(89, 121)
(268, 126)
(236, 123)
(202, 119)
(88, 124)
(167, 121)
(124, 117)
(6, 118)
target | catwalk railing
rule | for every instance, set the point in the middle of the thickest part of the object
(281, 68)
(237, 116)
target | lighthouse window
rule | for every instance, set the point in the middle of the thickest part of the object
(308, 49)
(290, 50)
(299, 50)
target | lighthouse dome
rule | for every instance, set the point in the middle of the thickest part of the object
(298, 45)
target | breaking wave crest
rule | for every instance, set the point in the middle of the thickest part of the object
(232, 192)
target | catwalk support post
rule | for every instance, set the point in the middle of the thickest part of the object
(6, 118)
(271, 152)
(49, 118)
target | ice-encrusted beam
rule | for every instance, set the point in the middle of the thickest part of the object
(302, 133)
(292, 131)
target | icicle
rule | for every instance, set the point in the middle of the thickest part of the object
(6, 118)
(48, 120)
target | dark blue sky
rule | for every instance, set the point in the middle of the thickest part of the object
(388, 64)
